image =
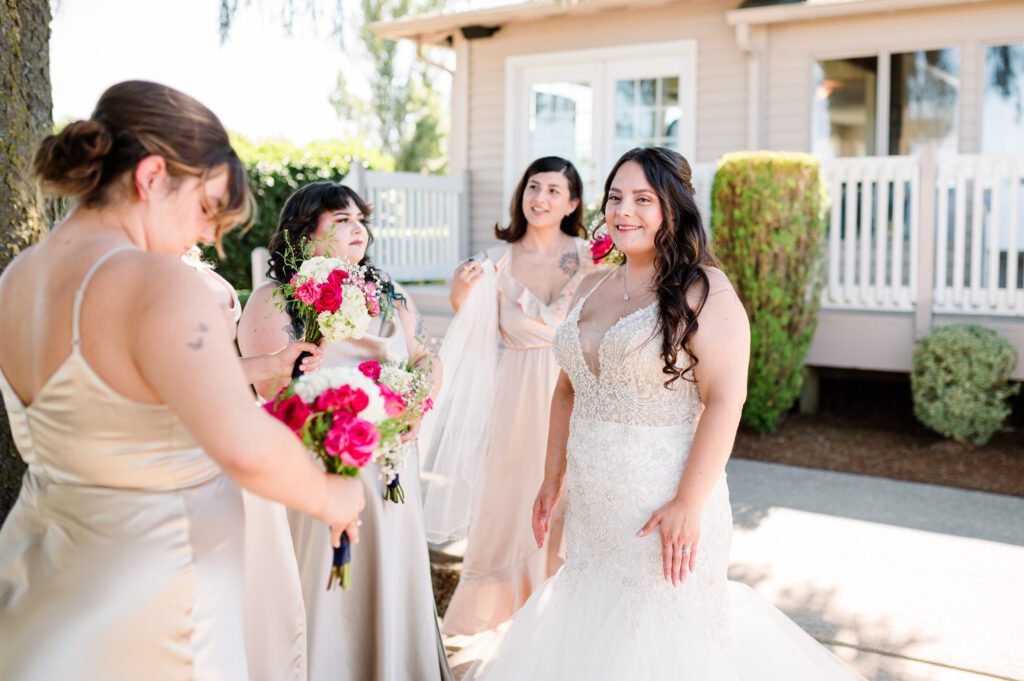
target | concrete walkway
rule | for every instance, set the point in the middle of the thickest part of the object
(909, 582)
(905, 582)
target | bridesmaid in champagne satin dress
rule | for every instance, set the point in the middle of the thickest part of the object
(503, 564)
(385, 627)
(122, 558)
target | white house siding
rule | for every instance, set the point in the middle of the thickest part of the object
(792, 47)
(721, 85)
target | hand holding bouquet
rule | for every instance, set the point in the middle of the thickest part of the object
(342, 416)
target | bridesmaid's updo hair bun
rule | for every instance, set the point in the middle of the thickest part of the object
(93, 161)
(70, 163)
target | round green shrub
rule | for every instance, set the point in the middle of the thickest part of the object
(961, 381)
(768, 230)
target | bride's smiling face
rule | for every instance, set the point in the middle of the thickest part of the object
(633, 211)
(343, 233)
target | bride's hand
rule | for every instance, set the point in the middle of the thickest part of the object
(547, 497)
(680, 535)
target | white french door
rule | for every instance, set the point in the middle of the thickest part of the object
(590, 106)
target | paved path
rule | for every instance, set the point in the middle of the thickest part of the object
(906, 582)
(913, 582)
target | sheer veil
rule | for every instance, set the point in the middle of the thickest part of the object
(454, 435)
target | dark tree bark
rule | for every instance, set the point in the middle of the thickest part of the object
(26, 117)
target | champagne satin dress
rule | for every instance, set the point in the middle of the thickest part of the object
(502, 565)
(385, 627)
(122, 558)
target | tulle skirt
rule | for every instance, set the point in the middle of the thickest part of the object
(589, 633)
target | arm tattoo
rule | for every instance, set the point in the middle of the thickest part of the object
(197, 344)
(290, 330)
(422, 337)
(570, 263)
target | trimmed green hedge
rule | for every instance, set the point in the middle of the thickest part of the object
(768, 229)
(960, 382)
(276, 169)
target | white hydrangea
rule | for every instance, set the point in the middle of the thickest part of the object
(396, 378)
(319, 268)
(311, 386)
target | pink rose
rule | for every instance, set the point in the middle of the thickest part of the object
(307, 292)
(362, 438)
(330, 298)
(371, 370)
(394, 404)
(372, 305)
(600, 247)
(292, 411)
(428, 404)
(337, 277)
(336, 440)
(343, 399)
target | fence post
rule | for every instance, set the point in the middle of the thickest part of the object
(465, 238)
(356, 178)
(928, 222)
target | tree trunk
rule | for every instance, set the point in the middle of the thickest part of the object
(25, 118)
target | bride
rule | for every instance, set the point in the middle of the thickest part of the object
(654, 357)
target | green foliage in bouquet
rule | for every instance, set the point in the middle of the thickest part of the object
(768, 230)
(960, 382)
(276, 169)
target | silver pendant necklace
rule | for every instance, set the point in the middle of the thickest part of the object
(625, 286)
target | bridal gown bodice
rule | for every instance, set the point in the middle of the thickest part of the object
(629, 438)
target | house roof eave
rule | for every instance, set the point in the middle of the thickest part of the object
(437, 27)
(823, 9)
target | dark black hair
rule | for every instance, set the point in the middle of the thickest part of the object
(300, 217)
(572, 224)
(682, 253)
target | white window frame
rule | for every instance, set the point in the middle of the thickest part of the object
(883, 95)
(602, 66)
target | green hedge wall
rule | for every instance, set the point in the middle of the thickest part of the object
(276, 169)
(768, 229)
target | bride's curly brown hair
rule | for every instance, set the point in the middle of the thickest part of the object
(682, 255)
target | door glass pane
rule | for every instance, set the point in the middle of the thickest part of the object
(1002, 128)
(924, 101)
(647, 88)
(844, 113)
(649, 115)
(561, 124)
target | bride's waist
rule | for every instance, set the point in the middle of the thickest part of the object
(679, 432)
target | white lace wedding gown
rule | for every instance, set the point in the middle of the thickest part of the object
(609, 613)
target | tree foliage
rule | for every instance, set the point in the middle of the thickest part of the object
(403, 114)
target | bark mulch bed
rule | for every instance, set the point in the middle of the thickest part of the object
(867, 426)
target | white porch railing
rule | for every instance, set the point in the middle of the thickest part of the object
(978, 242)
(419, 222)
(974, 209)
(874, 224)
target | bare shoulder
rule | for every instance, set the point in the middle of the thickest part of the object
(718, 280)
(590, 282)
(262, 297)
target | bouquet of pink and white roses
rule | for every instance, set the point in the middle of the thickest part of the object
(346, 420)
(333, 299)
(406, 392)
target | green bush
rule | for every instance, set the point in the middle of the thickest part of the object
(961, 381)
(768, 230)
(276, 169)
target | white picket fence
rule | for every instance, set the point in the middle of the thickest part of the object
(420, 225)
